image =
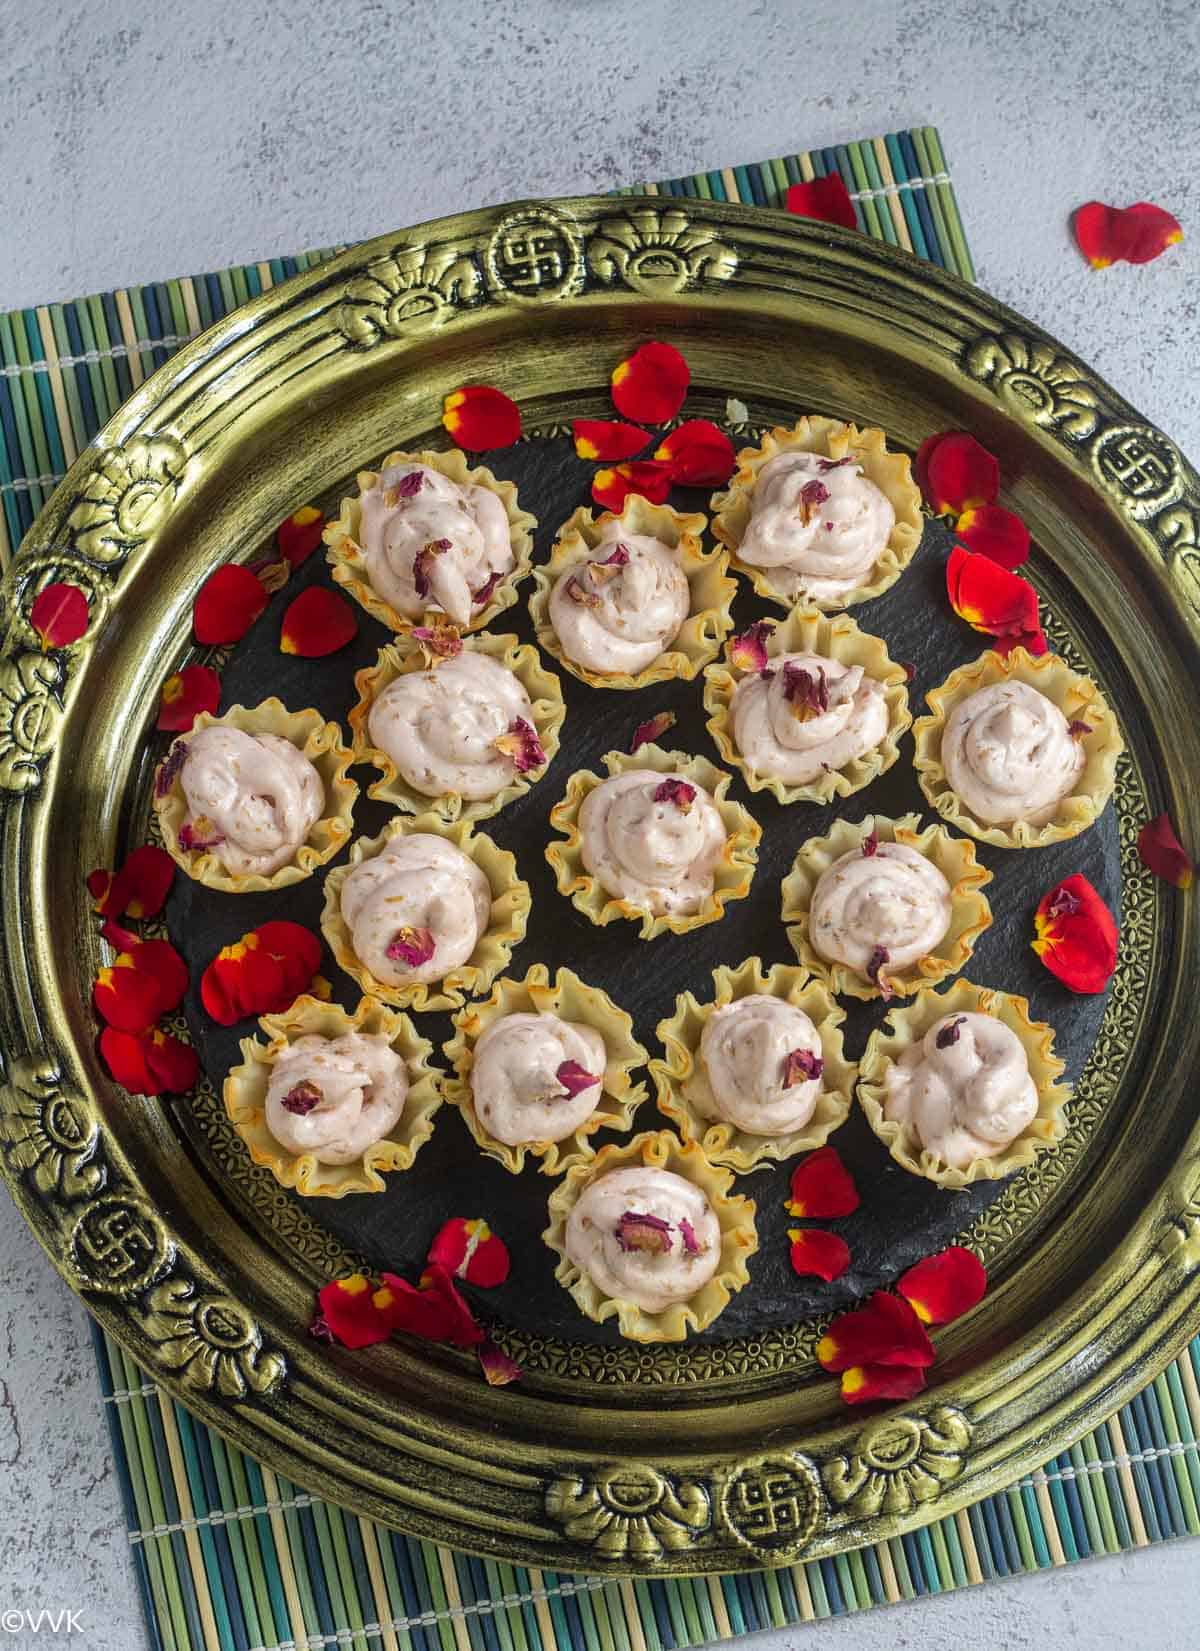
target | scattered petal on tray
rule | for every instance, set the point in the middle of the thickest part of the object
(149, 1063)
(943, 1287)
(886, 1331)
(316, 623)
(650, 385)
(650, 478)
(1162, 853)
(1076, 935)
(956, 473)
(480, 417)
(992, 531)
(59, 615)
(194, 689)
(472, 1251)
(300, 534)
(700, 455)
(227, 604)
(821, 1254)
(138, 889)
(262, 973)
(822, 1188)
(607, 439)
(989, 598)
(647, 732)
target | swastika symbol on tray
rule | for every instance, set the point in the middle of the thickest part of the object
(118, 1245)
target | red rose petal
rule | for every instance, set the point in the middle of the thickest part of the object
(59, 615)
(434, 1310)
(160, 960)
(522, 744)
(118, 936)
(826, 199)
(1161, 852)
(822, 1187)
(607, 439)
(496, 1365)
(885, 1331)
(471, 1251)
(990, 530)
(139, 888)
(194, 689)
(748, 652)
(1076, 935)
(866, 1383)
(956, 473)
(173, 1064)
(575, 1079)
(819, 1254)
(480, 417)
(1034, 642)
(988, 597)
(148, 1063)
(124, 1055)
(1132, 234)
(124, 997)
(262, 973)
(647, 732)
(699, 454)
(316, 623)
(943, 1287)
(650, 385)
(646, 477)
(350, 1313)
(228, 603)
(300, 535)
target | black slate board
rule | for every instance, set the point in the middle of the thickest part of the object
(901, 1217)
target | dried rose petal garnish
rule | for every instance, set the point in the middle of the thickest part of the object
(801, 1066)
(678, 792)
(870, 845)
(498, 1368)
(319, 1329)
(1075, 935)
(522, 744)
(1161, 852)
(748, 652)
(950, 1033)
(410, 946)
(826, 465)
(812, 495)
(272, 576)
(822, 1188)
(170, 768)
(302, 1098)
(574, 1079)
(647, 732)
(423, 564)
(577, 592)
(438, 641)
(648, 1234)
(691, 1244)
(1078, 729)
(807, 692)
(481, 597)
(409, 486)
(875, 973)
(199, 833)
(610, 568)
(818, 1254)
(943, 1287)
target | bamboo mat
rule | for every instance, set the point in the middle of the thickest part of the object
(232, 1557)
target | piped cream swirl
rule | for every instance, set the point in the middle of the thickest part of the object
(468, 524)
(781, 735)
(650, 1279)
(817, 527)
(519, 1097)
(744, 1051)
(252, 799)
(965, 1090)
(894, 899)
(617, 618)
(345, 1094)
(1008, 753)
(440, 726)
(662, 855)
(417, 884)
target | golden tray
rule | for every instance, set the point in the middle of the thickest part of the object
(711, 1457)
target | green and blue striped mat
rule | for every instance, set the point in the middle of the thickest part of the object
(231, 1556)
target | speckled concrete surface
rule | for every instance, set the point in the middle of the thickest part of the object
(134, 145)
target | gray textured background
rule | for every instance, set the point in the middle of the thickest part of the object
(140, 141)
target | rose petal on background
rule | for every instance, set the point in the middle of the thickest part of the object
(748, 651)
(300, 534)
(649, 478)
(943, 1287)
(699, 454)
(607, 439)
(433, 1310)
(124, 997)
(956, 473)
(988, 597)
(1161, 852)
(649, 385)
(194, 689)
(1131, 234)
(647, 732)
(471, 1251)
(496, 1365)
(119, 938)
(826, 199)
(173, 1064)
(822, 1188)
(139, 888)
(821, 1254)
(480, 417)
(316, 623)
(1078, 945)
(990, 530)
(59, 615)
(885, 1331)
(262, 973)
(866, 1383)
(148, 1063)
(350, 1312)
(227, 604)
